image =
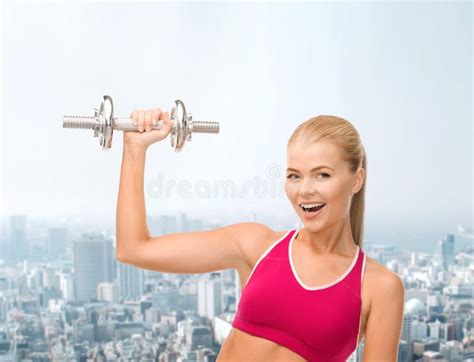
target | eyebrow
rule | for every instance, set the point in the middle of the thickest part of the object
(313, 169)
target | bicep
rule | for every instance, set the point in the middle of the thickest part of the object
(384, 324)
(196, 252)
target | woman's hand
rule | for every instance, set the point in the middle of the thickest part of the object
(145, 119)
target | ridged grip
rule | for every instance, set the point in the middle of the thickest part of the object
(205, 127)
(79, 122)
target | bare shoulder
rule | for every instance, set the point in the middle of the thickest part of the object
(381, 281)
(385, 316)
(255, 239)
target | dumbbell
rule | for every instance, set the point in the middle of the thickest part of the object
(103, 124)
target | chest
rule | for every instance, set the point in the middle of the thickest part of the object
(308, 272)
(313, 272)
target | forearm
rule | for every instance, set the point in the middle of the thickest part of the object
(131, 222)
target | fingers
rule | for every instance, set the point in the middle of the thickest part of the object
(134, 117)
(141, 120)
(152, 117)
(165, 116)
(146, 119)
(148, 124)
(156, 115)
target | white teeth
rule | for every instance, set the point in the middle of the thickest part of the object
(311, 205)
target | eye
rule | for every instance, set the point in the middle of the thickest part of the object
(325, 175)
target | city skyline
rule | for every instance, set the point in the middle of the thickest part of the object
(421, 238)
(90, 304)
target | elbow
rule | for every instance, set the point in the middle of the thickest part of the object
(123, 256)
(120, 255)
(128, 255)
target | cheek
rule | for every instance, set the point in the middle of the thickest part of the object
(335, 195)
(290, 190)
(339, 201)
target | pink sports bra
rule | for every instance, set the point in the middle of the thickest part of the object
(319, 323)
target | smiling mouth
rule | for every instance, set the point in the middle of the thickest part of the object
(312, 209)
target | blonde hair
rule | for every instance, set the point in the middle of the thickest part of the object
(343, 134)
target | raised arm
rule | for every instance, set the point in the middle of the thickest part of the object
(185, 252)
(195, 252)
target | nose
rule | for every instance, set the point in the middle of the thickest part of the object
(307, 188)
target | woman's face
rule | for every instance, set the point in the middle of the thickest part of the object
(317, 174)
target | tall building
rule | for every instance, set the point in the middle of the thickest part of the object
(66, 284)
(57, 241)
(130, 281)
(93, 264)
(406, 333)
(210, 296)
(49, 277)
(446, 251)
(17, 244)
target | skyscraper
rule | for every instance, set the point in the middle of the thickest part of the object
(17, 245)
(130, 281)
(93, 264)
(210, 295)
(446, 251)
(57, 241)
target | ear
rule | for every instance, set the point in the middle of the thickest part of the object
(359, 179)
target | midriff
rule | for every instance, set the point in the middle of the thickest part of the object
(241, 346)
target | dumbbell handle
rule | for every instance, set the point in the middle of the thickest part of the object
(126, 124)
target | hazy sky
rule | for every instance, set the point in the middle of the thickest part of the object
(400, 72)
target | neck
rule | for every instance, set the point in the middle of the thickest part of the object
(336, 239)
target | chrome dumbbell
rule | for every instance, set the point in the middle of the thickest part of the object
(103, 124)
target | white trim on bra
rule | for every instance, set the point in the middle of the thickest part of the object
(360, 319)
(324, 286)
(264, 255)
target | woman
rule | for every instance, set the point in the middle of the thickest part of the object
(309, 294)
